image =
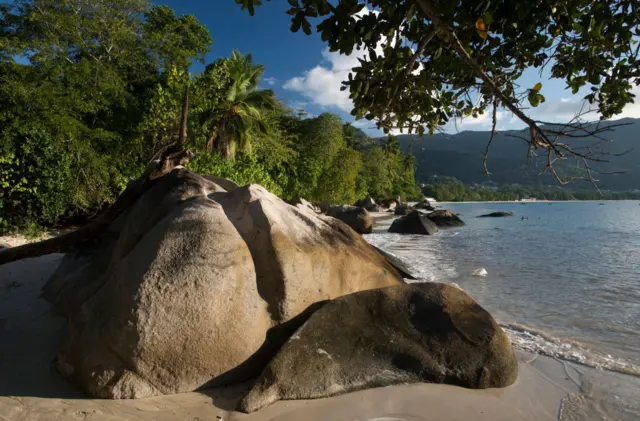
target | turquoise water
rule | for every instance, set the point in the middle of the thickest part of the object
(565, 282)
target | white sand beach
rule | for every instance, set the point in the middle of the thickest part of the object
(30, 389)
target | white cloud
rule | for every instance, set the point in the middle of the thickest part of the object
(321, 85)
(364, 124)
(270, 80)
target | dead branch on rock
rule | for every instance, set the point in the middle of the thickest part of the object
(494, 122)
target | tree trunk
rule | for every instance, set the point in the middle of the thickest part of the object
(213, 135)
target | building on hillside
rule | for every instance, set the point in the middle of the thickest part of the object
(528, 199)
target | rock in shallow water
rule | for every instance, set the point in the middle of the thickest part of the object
(424, 205)
(181, 290)
(430, 332)
(445, 219)
(401, 209)
(496, 215)
(413, 223)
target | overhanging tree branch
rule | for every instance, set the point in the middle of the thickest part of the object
(448, 34)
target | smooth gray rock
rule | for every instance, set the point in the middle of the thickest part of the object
(414, 222)
(431, 332)
(445, 219)
(496, 215)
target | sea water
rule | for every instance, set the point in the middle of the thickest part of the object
(564, 282)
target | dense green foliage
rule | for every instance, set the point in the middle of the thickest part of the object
(90, 92)
(455, 191)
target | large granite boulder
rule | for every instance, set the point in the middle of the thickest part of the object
(496, 215)
(4, 245)
(180, 292)
(430, 332)
(445, 219)
(358, 219)
(414, 222)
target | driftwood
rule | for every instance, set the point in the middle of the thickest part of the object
(172, 157)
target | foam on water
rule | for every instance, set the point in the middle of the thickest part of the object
(536, 341)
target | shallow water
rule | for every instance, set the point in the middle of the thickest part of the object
(564, 283)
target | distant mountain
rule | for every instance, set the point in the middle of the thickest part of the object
(461, 155)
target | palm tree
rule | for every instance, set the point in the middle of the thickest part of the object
(241, 111)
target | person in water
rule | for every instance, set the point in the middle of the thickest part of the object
(523, 218)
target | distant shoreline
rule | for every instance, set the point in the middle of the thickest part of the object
(542, 201)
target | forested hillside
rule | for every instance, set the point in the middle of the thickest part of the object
(461, 156)
(90, 92)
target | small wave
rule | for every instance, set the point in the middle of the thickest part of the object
(536, 341)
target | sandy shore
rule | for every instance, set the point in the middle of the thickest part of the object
(30, 389)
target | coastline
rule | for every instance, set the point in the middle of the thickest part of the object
(540, 201)
(30, 389)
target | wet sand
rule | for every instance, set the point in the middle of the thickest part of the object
(30, 389)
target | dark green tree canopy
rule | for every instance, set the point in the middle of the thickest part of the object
(429, 61)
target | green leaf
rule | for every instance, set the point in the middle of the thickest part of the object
(295, 24)
(306, 27)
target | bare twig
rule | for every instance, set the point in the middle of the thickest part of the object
(493, 133)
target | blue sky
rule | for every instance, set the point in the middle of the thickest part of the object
(304, 74)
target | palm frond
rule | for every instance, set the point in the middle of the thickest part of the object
(264, 98)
